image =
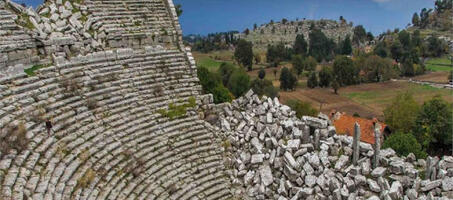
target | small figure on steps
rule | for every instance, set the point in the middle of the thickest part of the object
(48, 126)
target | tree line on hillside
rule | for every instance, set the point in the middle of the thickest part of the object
(212, 42)
(320, 46)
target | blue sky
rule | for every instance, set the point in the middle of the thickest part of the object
(207, 16)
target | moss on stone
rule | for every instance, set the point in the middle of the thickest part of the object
(176, 111)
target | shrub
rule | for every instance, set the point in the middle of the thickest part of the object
(225, 71)
(403, 144)
(302, 108)
(239, 83)
(433, 125)
(271, 91)
(264, 87)
(208, 80)
(222, 94)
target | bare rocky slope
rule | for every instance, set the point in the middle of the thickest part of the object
(100, 100)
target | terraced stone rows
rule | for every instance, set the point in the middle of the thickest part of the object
(40, 183)
(123, 17)
(12, 37)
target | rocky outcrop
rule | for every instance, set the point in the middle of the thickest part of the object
(275, 155)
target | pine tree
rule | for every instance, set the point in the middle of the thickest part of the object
(346, 47)
(312, 80)
(287, 80)
(300, 45)
(244, 54)
(415, 19)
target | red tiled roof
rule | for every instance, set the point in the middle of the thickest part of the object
(345, 126)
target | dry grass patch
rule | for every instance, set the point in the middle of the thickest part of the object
(13, 137)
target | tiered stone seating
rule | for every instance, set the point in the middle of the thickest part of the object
(108, 141)
(15, 44)
(132, 17)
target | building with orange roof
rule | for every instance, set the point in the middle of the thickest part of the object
(344, 125)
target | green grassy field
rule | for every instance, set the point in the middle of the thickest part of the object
(439, 64)
(380, 97)
(208, 61)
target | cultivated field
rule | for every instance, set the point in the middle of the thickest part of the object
(439, 64)
(367, 100)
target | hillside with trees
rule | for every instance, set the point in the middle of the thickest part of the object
(437, 21)
(286, 31)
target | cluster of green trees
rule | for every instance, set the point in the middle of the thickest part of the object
(345, 71)
(211, 42)
(409, 50)
(230, 81)
(419, 129)
(305, 56)
(278, 53)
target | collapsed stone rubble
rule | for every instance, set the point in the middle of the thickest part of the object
(275, 155)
